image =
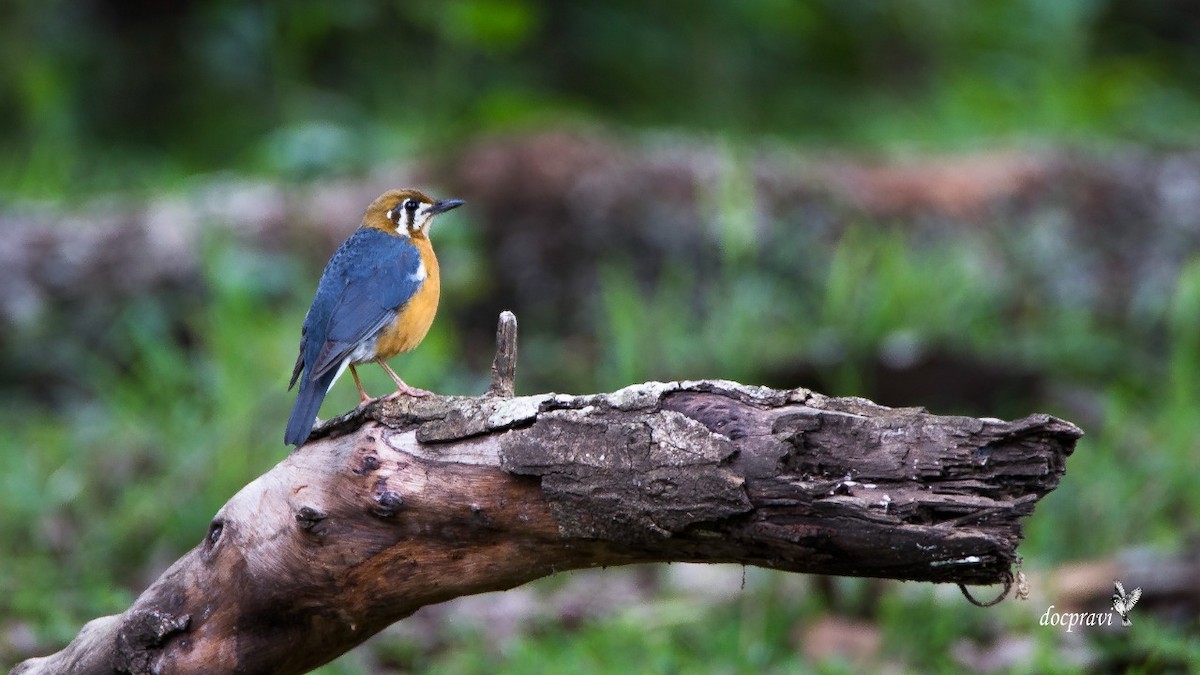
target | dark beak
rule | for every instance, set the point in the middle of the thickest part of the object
(445, 205)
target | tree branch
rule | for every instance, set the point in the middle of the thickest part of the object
(408, 502)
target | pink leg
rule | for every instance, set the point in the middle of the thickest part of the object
(401, 387)
(362, 393)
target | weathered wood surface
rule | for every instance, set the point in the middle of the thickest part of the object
(413, 501)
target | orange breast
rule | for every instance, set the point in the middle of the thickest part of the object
(416, 316)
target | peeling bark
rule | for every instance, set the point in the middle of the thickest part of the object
(411, 501)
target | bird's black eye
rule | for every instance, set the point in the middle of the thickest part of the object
(411, 205)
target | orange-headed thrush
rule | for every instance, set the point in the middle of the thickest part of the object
(376, 299)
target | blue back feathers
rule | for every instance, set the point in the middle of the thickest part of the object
(365, 284)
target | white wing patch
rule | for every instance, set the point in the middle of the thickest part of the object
(363, 353)
(419, 275)
(341, 369)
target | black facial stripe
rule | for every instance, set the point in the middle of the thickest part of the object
(406, 209)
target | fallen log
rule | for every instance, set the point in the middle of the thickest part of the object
(406, 502)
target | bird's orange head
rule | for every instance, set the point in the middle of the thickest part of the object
(406, 212)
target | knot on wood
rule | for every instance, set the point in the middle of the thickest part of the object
(387, 504)
(142, 636)
(366, 465)
(214, 533)
(308, 517)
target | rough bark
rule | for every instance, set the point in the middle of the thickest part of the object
(411, 501)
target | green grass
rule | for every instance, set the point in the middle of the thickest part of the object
(651, 642)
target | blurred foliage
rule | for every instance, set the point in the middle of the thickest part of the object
(96, 94)
(97, 496)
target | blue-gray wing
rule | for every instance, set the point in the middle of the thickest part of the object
(368, 279)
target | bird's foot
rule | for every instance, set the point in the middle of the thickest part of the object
(407, 390)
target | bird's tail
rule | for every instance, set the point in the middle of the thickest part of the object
(308, 402)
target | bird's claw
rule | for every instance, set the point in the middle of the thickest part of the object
(409, 391)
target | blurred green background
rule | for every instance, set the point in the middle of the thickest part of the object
(987, 208)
